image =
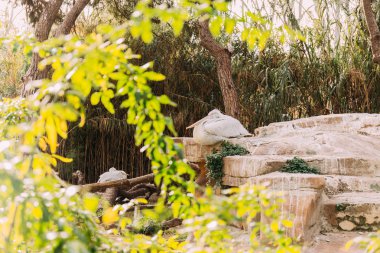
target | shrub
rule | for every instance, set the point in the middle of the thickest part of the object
(214, 161)
(298, 165)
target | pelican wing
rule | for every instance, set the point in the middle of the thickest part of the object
(226, 127)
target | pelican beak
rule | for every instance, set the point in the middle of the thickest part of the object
(197, 123)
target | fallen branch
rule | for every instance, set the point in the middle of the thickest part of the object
(124, 184)
(141, 190)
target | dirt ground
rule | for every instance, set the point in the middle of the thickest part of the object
(323, 243)
(333, 243)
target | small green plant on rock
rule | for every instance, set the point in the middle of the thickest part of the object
(298, 165)
(214, 161)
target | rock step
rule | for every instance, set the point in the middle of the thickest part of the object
(352, 211)
(335, 184)
(240, 169)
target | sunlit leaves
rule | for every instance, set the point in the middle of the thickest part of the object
(110, 216)
(90, 203)
(95, 98)
(215, 25)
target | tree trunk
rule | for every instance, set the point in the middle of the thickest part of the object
(373, 30)
(70, 18)
(223, 65)
(42, 31)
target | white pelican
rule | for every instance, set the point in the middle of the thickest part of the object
(217, 127)
(112, 175)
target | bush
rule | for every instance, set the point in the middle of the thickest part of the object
(214, 161)
(298, 165)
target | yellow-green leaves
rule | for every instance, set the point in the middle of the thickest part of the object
(95, 98)
(154, 76)
(90, 203)
(51, 133)
(110, 216)
(229, 25)
(215, 25)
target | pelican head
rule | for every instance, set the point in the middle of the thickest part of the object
(211, 115)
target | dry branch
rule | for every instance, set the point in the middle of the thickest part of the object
(121, 184)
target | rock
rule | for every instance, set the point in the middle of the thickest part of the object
(333, 143)
(302, 195)
(194, 152)
(346, 225)
(344, 147)
(338, 184)
(289, 181)
(362, 209)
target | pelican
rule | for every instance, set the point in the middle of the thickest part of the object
(112, 175)
(217, 127)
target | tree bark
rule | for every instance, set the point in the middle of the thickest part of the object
(223, 65)
(69, 21)
(373, 30)
(42, 31)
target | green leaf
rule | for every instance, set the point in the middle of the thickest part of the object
(165, 100)
(216, 26)
(107, 104)
(63, 159)
(177, 25)
(95, 98)
(229, 25)
(91, 203)
(153, 76)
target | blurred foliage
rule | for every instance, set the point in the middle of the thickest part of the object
(13, 65)
(368, 243)
(214, 161)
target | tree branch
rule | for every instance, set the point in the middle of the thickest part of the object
(373, 30)
(122, 184)
(69, 21)
(47, 19)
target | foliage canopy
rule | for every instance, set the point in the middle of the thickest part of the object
(40, 212)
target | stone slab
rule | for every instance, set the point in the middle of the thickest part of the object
(290, 181)
(351, 211)
(353, 122)
(194, 152)
(303, 209)
(336, 184)
(240, 169)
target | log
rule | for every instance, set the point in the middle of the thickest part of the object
(125, 184)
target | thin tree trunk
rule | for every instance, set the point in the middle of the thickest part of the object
(42, 31)
(373, 30)
(223, 65)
